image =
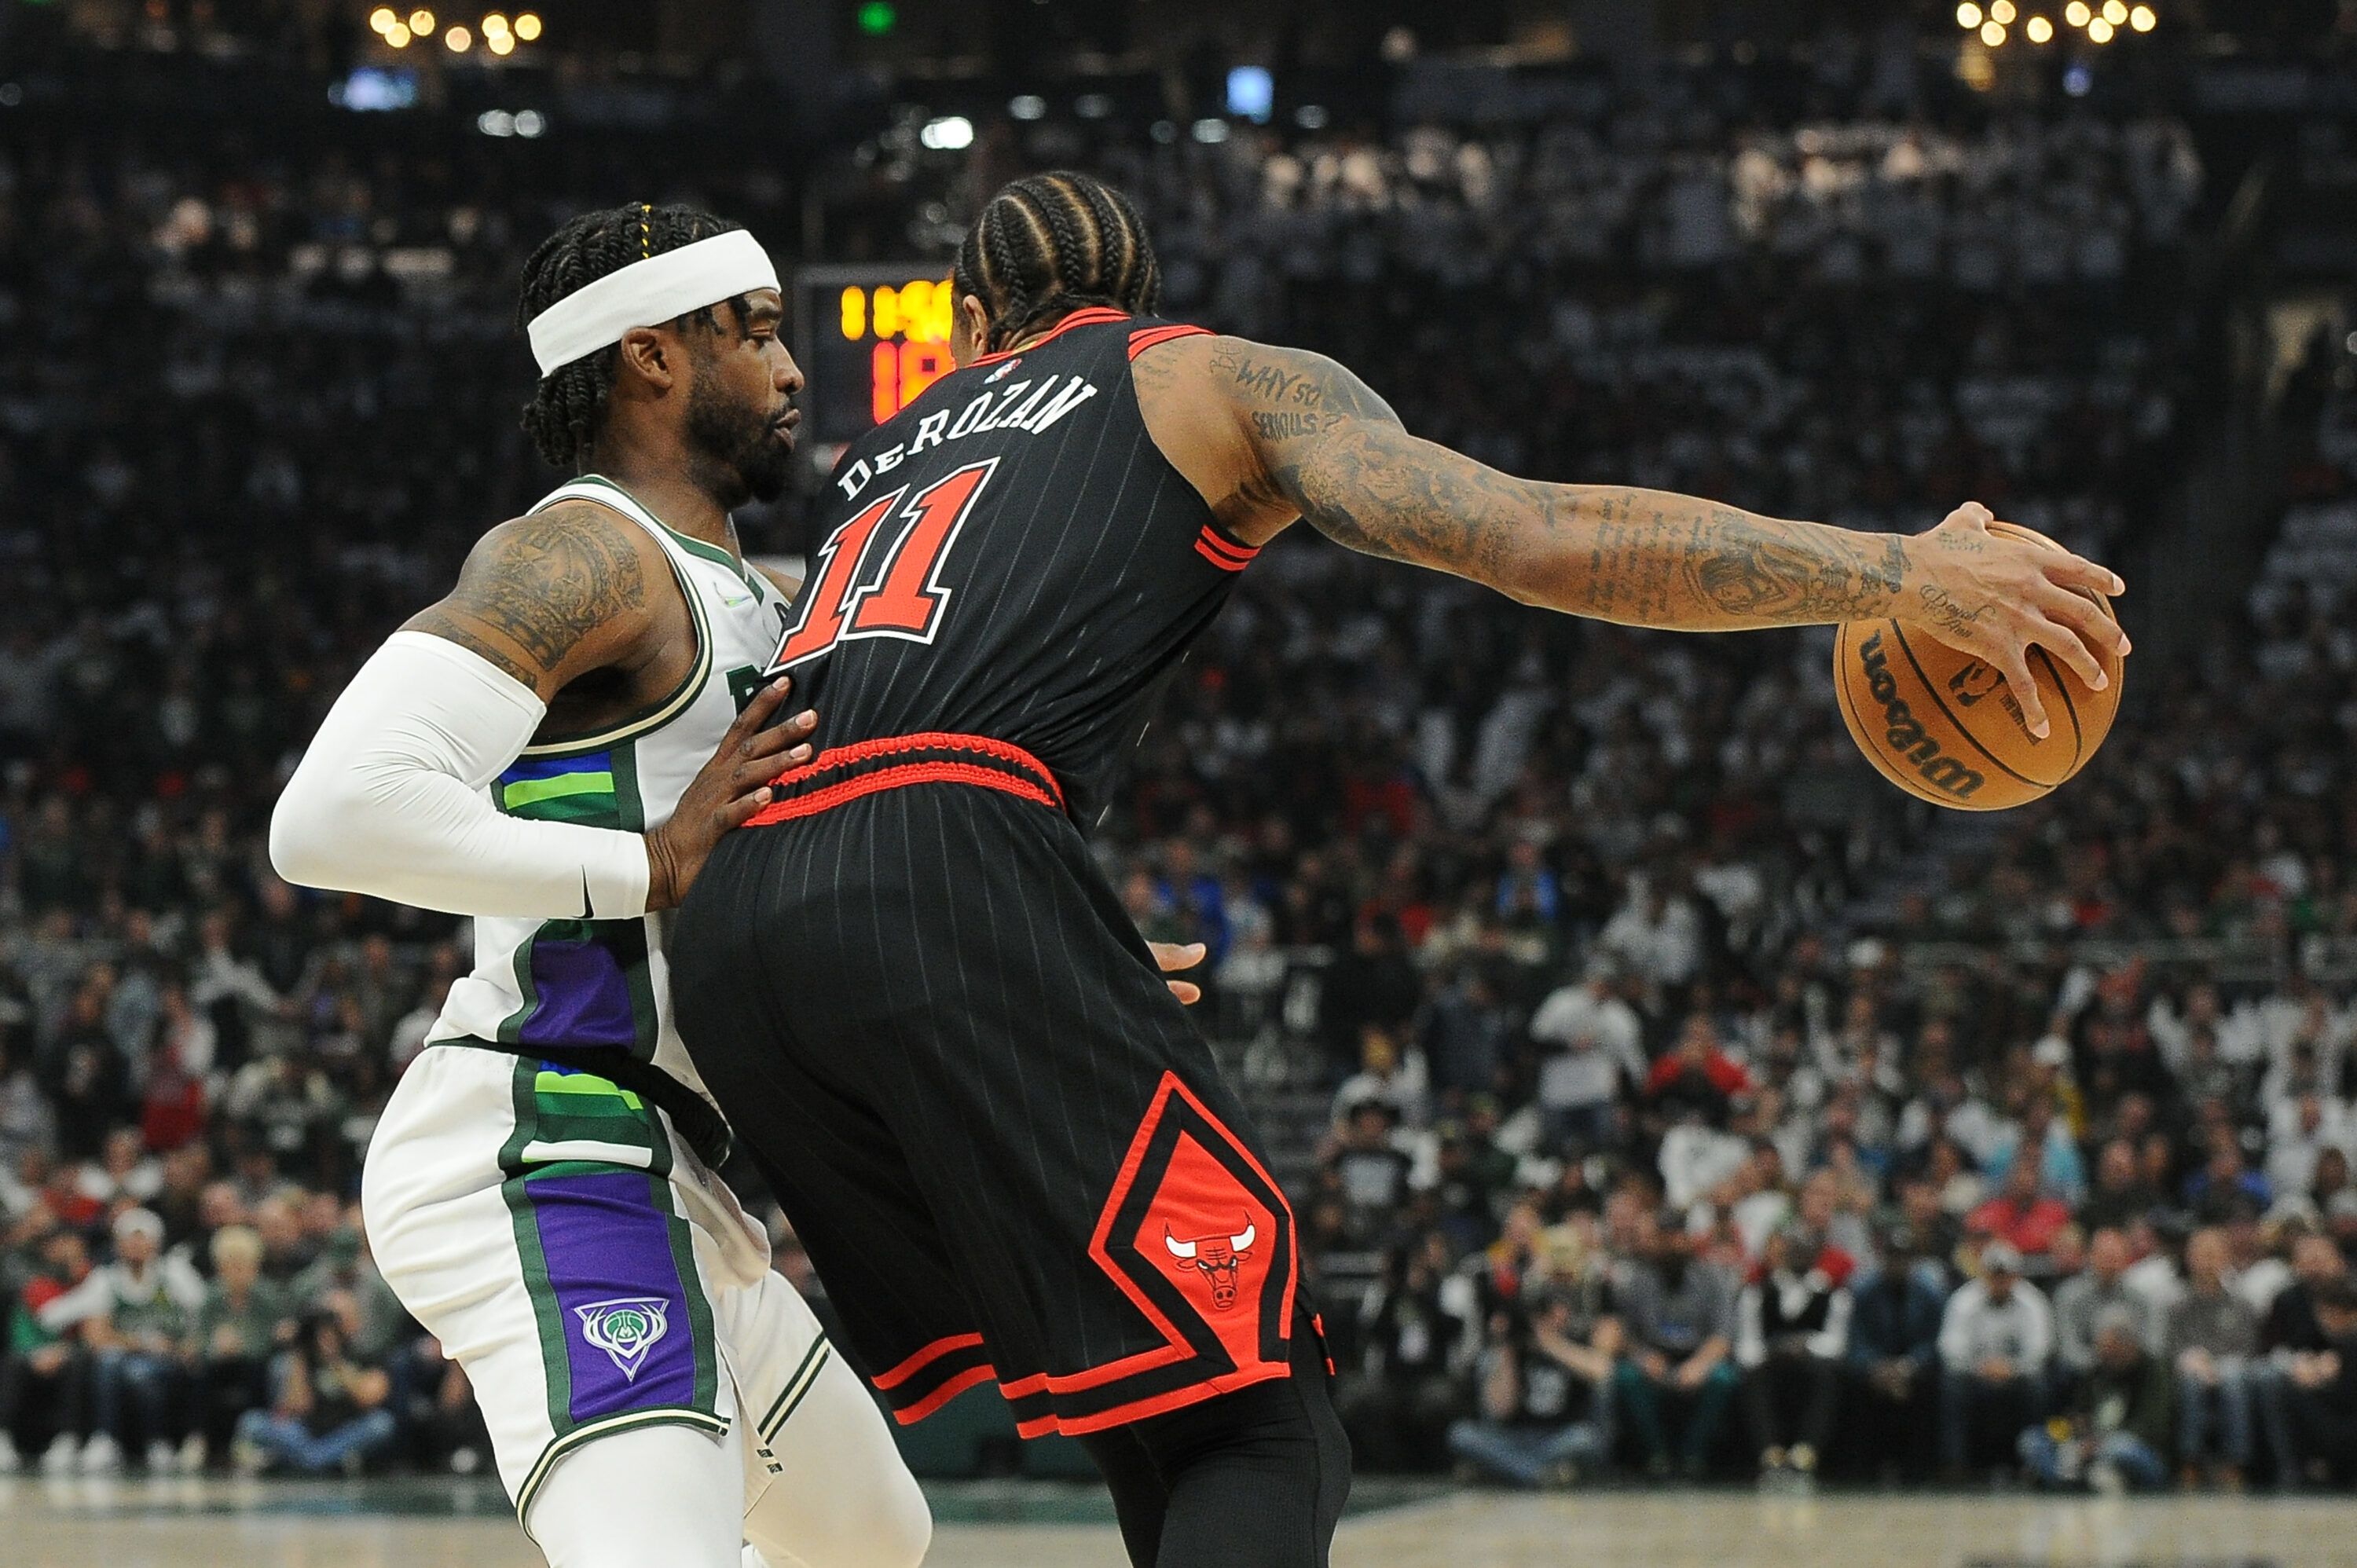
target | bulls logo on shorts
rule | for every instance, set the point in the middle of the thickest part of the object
(1197, 1236)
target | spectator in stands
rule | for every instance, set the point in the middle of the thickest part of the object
(2083, 1297)
(1894, 1351)
(2118, 1423)
(2121, 1196)
(1591, 1041)
(2321, 1398)
(2212, 1334)
(1675, 1376)
(1417, 1327)
(1996, 1335)
(2292, 1331)
(1696, 1076)
(1369, 1174)
(42, 1369)
(1544, 1396)
(1792, 1334)
(2022, 1216)
(327, 1410)
(238, 1328)
(136, 1315)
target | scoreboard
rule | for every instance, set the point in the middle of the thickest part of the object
(870, 338)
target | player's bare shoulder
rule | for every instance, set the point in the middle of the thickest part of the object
(554, 593)
(1238, 419)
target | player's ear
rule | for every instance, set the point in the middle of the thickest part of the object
(646, 353)
(969, 330)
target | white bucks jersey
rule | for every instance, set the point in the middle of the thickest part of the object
(577, 982)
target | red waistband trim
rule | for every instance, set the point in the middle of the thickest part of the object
(903, 760)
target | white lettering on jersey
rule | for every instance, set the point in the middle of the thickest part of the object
(993, 410)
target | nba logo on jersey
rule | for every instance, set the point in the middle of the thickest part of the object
(1001, 374)
(626, 1328)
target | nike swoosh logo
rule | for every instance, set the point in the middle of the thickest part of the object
(732, 604)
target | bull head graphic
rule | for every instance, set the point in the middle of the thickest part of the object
(1218, 1257)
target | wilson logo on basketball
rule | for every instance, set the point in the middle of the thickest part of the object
(1905, 733)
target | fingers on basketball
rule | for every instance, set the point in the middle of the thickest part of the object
(1947, 727)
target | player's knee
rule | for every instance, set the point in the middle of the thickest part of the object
(893, 1529)
(904, 1528)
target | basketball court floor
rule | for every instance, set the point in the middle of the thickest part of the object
(138, 1524)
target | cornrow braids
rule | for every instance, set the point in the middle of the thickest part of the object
(1048, 245)
(566, 408)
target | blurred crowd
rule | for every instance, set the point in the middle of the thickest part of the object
(1679, 1099)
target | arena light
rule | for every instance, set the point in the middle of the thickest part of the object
(2143, 18)
(527, 26)
(2115, 12)
(2076, 13)
(1993, 33)
(949, 134)
(458, 40)
(381, 19)
(398, 35)
(2099, 31)
(1093, 105)
(1968, 16)
(421, 23)
(1311, 117)
(494, 22)
(2003, 13)
(2040, 29)
(1210, 132)
(1028, 106)
(529, 122)
(500, 44)
(495, 122)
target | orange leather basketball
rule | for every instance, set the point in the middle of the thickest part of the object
(1943, 724)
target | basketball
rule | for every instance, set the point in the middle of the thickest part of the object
(1943, 724)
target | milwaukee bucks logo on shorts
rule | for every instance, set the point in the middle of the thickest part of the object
(626, 1328)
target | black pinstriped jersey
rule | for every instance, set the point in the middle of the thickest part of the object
(1012, 558)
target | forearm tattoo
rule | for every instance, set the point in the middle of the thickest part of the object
(1336, 451)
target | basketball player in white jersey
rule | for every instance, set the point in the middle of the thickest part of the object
(553, 750)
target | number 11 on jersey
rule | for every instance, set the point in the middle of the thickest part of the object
(902, 595)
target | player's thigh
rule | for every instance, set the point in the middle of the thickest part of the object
(826, 1485)
(566, 1287)
(650, 1495)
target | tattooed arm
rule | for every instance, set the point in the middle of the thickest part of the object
(1269, 435)
(552, 596)
(393, 797)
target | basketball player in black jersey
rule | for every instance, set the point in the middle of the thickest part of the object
(908, 983)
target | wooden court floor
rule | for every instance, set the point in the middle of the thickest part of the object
(135, 1524)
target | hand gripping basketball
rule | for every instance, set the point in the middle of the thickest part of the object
(1996, 594)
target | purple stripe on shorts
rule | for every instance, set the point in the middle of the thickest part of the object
(627, 1333)
(585, 999)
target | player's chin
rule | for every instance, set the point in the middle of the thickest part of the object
(767, 479)
(767, 474)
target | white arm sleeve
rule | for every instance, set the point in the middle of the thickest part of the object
(391, 799)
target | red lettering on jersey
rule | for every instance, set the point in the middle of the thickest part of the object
(907, 600)
(903, 597)
(822, 616)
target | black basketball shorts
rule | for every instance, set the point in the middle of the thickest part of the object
(947, 1048)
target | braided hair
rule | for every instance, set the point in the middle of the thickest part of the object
(1050, 243)
(563, 417)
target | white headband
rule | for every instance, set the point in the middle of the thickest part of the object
(647, 293)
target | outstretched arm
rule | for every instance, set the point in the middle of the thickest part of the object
(1268, 434)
